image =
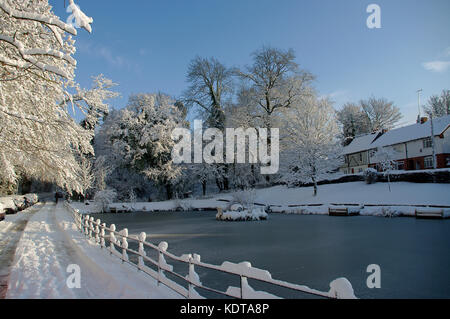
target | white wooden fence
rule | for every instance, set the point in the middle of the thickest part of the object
(118, 246)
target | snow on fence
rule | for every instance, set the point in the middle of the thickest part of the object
(95, 230)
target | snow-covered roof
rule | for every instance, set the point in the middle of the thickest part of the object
(360, 143)
(412, 132)
(397, 136)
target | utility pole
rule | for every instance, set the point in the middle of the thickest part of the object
(433, 145)
(418, 104)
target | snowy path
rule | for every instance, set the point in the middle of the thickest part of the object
(11, 230)
(50, 243)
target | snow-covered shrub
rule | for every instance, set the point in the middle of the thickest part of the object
(254, 214)
(181, 205)
(236, 208)
(245, 198)
(31, 199)
(105, 197)
(20, 203)
(132, 197)
(370, 175)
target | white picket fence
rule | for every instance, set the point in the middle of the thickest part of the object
(118, 246)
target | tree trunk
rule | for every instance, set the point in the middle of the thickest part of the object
(226, 183)
(269, 143)
(314, 180)
(169, 191)
(219, 185)
(204, 188)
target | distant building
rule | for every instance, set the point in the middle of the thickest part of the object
(411, 144)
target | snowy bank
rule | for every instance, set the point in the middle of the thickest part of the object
(15, 203)
(375, 210)
(253, 214)
(373, 199)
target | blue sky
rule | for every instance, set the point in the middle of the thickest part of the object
(146, 46)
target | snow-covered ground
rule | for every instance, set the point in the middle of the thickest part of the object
(402, 195)
(359, 193)
(50, 243)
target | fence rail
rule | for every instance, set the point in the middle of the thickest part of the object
(118, 246)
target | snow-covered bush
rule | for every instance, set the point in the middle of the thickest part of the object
(245, 198)
(254, 214)
(370, 175)
(105, 197)
(181, 205)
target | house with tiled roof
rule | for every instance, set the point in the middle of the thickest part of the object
(411, 146)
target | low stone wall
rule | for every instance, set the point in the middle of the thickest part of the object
(418, 177)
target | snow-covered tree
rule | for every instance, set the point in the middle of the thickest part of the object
(86, 176)
(354, 121)
(310, 141)
(274, 81)
(101, 171)
(385, 159)
(92, 102)
(105, 197)
(382, 114)
(210, 85)
(244, 115)
(38, 137)
(140, 138)
(111, 169)
(210, 82)
(439, 105)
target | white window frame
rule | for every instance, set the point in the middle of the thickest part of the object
(427, 143)
(428, 160)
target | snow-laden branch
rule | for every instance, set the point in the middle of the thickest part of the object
(38, 17)
(28, 117)
(81, 20)
(27, 55)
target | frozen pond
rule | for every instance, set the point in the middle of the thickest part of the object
(414, 255)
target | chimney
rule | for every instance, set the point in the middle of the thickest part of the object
(423, 120)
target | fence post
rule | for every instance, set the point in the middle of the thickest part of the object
(142, 237)
(86, 225)
(76, 217)
(102, 235)
(80, 222)
(124, 245)
(97, 231)
(91, 226)
(191, 271)
(112, 238)
(161, 261)
(244, 282)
